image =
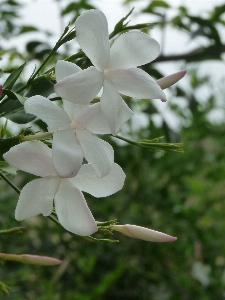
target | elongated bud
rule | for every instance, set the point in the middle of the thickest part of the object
(169, 80)
(31, 259)
(143, 233)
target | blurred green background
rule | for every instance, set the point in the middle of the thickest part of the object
(180, 194)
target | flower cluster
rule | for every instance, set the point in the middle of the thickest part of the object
(75, 126)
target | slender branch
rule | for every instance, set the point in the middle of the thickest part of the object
(86, 238)
(211, 52)
(10, 183)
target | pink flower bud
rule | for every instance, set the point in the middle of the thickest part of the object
(31, 259)
(143, 233)
(169, 80)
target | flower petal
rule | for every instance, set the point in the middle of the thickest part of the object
(97, 152)
(37, 198)
(72, 210)
(93, 37)
(54, 116)
(94, 120)
(143, 233)
(82, 87)
(67, 153)
(64, 69)
(133, 49)
(169, 80)
(136, 83)
(114, 108)
(33, 157)
(75, 111)
(88, 181)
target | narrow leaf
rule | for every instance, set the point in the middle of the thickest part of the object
(13, 77)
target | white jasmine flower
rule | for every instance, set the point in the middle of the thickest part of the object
(115, 69)
(71, 208)
(74, 129)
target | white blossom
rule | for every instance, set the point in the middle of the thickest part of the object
(74, 128)
(71, 208)
(115, 69)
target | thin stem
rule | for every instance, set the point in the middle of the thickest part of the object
(10, 183)
(37, 136)
(86, 238)
(126, 140)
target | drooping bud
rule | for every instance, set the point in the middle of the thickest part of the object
(31, 259)
(143, 233)
(169, 80)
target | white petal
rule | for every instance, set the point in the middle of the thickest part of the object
(133, 49)
(92, 35)
(143, 233)
(64, 69)
(72, 210)
(75, 111)
(67, 153)
(136, 83)
(81, 87)
(33, 157)
(114, 108)
(54, 116)
(169, 80)
(88, 181)
(97, 152)
(37, 198)
(94, 120)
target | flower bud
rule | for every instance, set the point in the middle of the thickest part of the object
(143, 233)
(31, 259)
(169, 80)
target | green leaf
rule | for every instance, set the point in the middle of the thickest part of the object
(43, 87)
(155, 4)
(25, 29)
(13, 77)
(6, 144)
(13, 95)
(19, 116)
(6, 169)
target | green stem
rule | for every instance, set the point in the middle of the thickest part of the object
(10, 183)
(126, 140)
(86, 238)
(37, 136)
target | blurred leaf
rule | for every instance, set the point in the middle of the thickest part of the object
(6, 169)
(13, 77)
(6, 144)
(32, 45)
(25, 29)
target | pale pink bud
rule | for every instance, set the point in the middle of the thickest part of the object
(143, 233)
(169, 80)
(31, 259)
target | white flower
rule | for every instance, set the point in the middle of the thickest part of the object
(143, 233)
(71, 208)
(73, 136)
(115, 69)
